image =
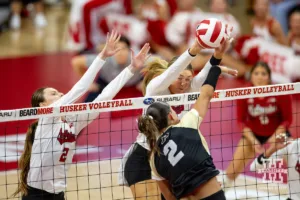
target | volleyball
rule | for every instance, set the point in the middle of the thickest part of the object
(210, 33)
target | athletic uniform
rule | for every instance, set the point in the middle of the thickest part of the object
(184, 158)
(54, 142)
(135, 166)
(265, 31)
(264, 115)
(292, 155)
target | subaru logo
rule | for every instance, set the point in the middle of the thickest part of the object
(148, 101)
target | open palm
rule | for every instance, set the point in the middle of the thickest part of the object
(110, 47)
(227, 42)
(137, 62)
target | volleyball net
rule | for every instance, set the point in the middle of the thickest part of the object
(94, 169)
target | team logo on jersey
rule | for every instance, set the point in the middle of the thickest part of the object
(65, 136)
(148, 101)
(164, 138)
(272, 170)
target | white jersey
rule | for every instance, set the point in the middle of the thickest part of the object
(281, 59)
(54, 143)
(292, 155)
(160, 84)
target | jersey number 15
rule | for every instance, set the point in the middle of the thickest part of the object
(169, 150)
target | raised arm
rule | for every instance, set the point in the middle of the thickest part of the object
(87, 79)
(207, 91)
(163, 81)
(215, 60)
(116, 85)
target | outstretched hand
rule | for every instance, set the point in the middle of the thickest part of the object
(110, 48)
(137, 62)
(219, 51)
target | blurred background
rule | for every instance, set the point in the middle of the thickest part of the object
(52, 42)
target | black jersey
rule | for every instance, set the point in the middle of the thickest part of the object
(184, 158)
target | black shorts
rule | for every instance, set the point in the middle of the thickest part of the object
(263, 139)
(37, 194)
(216, 196)
(137, 166)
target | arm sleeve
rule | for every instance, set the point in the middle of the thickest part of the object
(285, 105)
(201, 76)
(108, 93)
(82, 85)
(163, 81)
(190, 120)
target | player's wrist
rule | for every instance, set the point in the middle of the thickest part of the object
(102, 56)
(192, 52)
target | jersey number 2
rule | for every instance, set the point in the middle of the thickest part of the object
(171, 148)
(63, 156)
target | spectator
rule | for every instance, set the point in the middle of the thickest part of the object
(157, 13)
(176, 30)
(16, 7)
(220, 7)
(294, 34)
(279, 10)
(260, 119)
(265, 26)
(112, 67)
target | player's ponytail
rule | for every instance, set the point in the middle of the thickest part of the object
(24, 162)
(153, 69)
(155, 120)
(148, 127)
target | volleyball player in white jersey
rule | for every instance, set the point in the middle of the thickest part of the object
(175, 79)
(290, 151)
(50, 142)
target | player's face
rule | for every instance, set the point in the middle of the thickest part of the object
(260, 77)
(295, 23)
(218, 6)
(261, 8)
(183, 83)
(51, 95)
(122, 56)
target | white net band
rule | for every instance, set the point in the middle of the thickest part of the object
(143, 102)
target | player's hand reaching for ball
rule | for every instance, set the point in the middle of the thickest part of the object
(138, 61)
(195, 48)
(225, 45)
(110, 47)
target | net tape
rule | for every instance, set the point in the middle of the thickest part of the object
(143, 102)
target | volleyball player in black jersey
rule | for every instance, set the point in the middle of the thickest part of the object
(180, 158)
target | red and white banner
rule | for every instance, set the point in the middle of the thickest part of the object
(282, 60)
(143, 102)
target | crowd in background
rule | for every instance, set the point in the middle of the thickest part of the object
(169, 26)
